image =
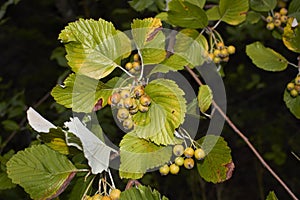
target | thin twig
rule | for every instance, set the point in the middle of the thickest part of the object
(244, 138)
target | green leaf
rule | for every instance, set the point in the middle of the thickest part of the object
(10, 125)
(166, 112)
(144, 154)
(293, 103)
(93, 47)
(191, 46)
(199, 3)
(291, 36)
(294, 7)
(42, 172)
(266, 58)
(253, 17)
(140, 5)
(141, 193)
(271, 196)
(149, 39)
(215, 166)
(184, 14)
(5, 182)
(205, 98)
(81, 93)
(263, 5)
(233, 12)
(80, 186)
(213, 13)
(173, 63)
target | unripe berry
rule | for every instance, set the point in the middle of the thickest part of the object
(115, 98)
(87, 197)
(189, 163)
(97, 197)
(128, 123)
(188, 152)
(128, 102)
(226, 59)
(277, 15)
(125, 94)
(106, 198)
(220, 45)
(139, 91)
(231, 49)
(294, 93)
(270, 26)
(179, 161)
(115, 194)
(123, 113)
(269, 19)
(283, 11)
(120, 104)
(128, 66)
(199, 154)
(136, 66)
(132, 111)
(211, 56)
(136, 57)
(178, 150)
(143, 108)
(277, 22)
(164, 170)
(224, 53)
(132, 71)
(297, 80)
(217, 52)
(290, 86)
(174, 169)
(283, 19)
(217, 60)
(145, 100)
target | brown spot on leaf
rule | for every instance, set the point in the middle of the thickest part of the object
(230, 168)
(98, 105)
(152, 34)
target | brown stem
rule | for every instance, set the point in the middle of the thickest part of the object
(131, 183)
(244, 138)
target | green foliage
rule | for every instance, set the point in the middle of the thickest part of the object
(271, 196)
(139, 155)
(263, 5)
(141, 193)
(184, 14)
(291, 37)
(42, 172)
(233, 12)
(88, 44)
(5, 182)
(205, 98)
(214, 167)
(292, 103)
(266, 58)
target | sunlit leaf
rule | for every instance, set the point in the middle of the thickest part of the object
(293, 103)
(291, 36)
(213, 13)
(253, 17)
(42, 172)
(149, 39)
(271, 196)
(266, 58)
(204, 98)
(93, 47)
(141, 193)
(144, 154)
(166, 112)
(173, 63)
(217, 162)
(96, 152)
(233, 12)
(263, 5)
(184, 14)
(81, 93)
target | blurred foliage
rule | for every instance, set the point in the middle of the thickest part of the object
(31, 60)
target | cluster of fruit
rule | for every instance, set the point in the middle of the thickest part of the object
(277, 19)
(183, 157)
(221, 53)
(135, 66)
(294, 87)
(113, 195)
(128, 102)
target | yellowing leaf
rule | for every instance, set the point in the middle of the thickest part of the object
(204, 98)
(291, 36)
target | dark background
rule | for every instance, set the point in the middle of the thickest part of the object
(28, 38)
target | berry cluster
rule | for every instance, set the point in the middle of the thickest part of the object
(294, 87)
(128, 102)
(277, 19)
(184, 157)
(113, 195)
(135, 66)
(221, 53)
